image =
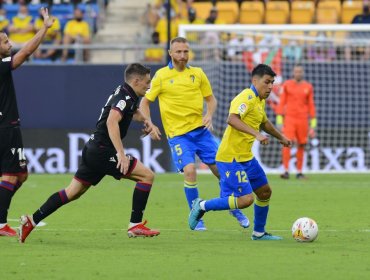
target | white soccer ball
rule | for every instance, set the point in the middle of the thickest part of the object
(305, 230)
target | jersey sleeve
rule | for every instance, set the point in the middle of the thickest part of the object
(155, 88)
(283, 99)
(205, 85)
(5, 65)
(120, 105)
(240, 106)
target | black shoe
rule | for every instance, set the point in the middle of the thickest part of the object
(300, 176)
(285, 175)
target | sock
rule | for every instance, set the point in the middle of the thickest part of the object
(191, 192)
(6, 193)
(261, 209)
(286, 158)
(139, 200)
(300, 154)
(130, 225)
(221, 203)
(55, 201)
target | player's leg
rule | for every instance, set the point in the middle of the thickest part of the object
(183, 155)
(144, 178)
(289, 131)
(206, 149)
(261, 188)
(302, 136)
(53, 203)
(236, 193)
(13, 172)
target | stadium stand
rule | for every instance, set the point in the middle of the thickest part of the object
(228, 12)
(349, 10)
(252, 12)
(302, 12)
(202, 8)
(277, 12)
(328, 12)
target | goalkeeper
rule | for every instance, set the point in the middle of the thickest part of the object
(296, 107)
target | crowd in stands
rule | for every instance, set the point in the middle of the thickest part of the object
(75, 22)
(260, 12)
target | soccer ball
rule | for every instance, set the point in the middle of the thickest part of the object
(305, 230)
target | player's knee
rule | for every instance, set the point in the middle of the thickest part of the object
(190, 173)
(147, 176)
(22, 178)
(265, 194)
(245, 201)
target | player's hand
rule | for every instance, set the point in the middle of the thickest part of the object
(48, 21)
(312, 133)
(207, 122)
(152, 130)
(263, 139)
(123, 162)
(286, 142)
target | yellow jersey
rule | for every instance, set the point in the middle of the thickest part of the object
(21, 38)
(53, 31)
(4, 24)
(76, 28)
(181, 98)
(237, 145)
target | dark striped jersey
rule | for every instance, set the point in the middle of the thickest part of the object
(9, 116)
(126, 102)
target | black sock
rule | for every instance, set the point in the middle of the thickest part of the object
(139, 200)
(6, 193)
(55, 201)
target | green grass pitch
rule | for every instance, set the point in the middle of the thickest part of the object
(87, 238)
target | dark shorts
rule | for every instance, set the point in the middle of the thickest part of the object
(12, 158)
(98, 161)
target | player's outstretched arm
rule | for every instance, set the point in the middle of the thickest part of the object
(272, 130)
(235, 121)
(33, 44)
(149, 127)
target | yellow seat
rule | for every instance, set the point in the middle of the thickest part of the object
(349, 10)
(302, 12)
(251, 12)
(202, 9)
(228, 12)
(328, 11)
(277, 12)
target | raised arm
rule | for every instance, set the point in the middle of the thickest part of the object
(33, 44)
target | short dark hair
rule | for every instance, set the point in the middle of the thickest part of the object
(178, 40)
(136, 69)
(262, 69)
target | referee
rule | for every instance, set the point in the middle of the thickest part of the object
(13, 165)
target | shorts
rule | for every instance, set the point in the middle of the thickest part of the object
(296, 129)
(198, 142)
(240, 178)
(98, 161)
(12, 158)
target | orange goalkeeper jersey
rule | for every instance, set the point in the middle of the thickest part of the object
(296, 100)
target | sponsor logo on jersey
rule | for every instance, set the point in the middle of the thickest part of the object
(242, 108)
(112, 159)
(121, 104)
(6, 59)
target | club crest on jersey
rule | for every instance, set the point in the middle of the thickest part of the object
(240, 189)
(242, 108)
(121, 104)
(192, 77)
(227, 174)
(171, 81)
(250, 97)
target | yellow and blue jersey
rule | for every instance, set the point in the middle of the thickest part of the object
(181, 98)
(237, 145)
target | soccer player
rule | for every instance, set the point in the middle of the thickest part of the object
(13, 166)
(181, 90)
(295, 108)
(240, 172)
(104, 154)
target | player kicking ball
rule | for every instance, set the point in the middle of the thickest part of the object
(240, 172)
(104, 155)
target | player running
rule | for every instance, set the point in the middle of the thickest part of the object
(104, 154)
